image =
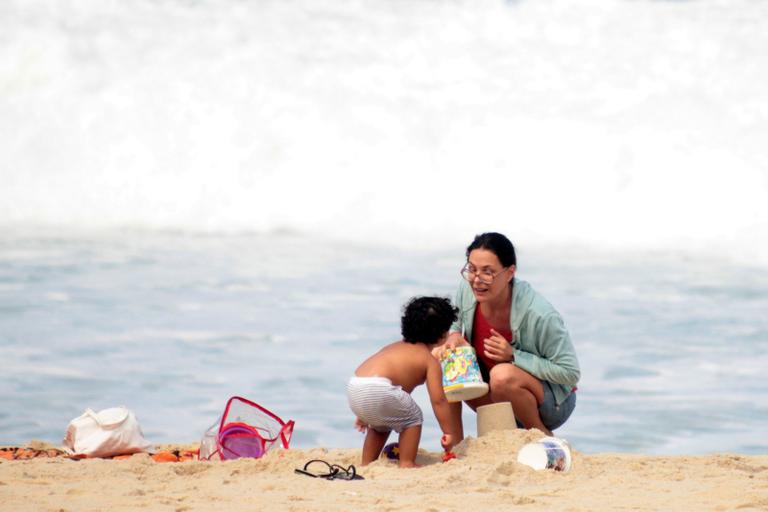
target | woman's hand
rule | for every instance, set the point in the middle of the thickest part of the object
(497, 348)
(454, 339)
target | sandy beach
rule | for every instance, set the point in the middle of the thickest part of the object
(485, 476)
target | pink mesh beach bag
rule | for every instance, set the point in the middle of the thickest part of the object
(246, 429)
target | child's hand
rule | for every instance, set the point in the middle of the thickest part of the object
(447, 442)
(453, 340)
(360, 426)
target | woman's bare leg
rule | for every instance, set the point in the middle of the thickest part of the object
(512, 384)
(374, 442)
(409, 446)
(478, 402)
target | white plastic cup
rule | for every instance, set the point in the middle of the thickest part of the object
(546, 453)
(209, 449)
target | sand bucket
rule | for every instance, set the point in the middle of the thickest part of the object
(238, 440)
(546, 453)
(461, 375)
(498, 416)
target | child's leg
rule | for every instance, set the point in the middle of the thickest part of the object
(409, 446)
(374, 442)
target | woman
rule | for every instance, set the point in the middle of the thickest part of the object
(523, 348)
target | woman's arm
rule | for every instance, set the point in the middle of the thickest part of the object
(556, 359)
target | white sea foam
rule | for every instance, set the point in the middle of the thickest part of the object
(612, 124)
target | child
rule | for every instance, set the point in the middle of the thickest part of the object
(380, 392)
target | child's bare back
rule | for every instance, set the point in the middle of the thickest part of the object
(405, 364)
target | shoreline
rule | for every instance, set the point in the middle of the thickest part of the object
(486, 475)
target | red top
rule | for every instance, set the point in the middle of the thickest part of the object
(481, 329)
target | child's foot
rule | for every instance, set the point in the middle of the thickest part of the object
(408, 464)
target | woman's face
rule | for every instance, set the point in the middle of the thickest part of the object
(488, 278)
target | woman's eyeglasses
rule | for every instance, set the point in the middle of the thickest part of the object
(486, 276)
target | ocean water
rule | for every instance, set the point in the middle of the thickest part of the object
(172, 324)
(201, 199)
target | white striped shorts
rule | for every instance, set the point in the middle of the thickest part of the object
(381, 405)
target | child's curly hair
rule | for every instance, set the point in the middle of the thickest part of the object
(427, 319)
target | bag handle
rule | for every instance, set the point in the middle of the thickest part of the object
(286, 433)
(112, 421)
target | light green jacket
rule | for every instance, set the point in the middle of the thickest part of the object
(541, 343)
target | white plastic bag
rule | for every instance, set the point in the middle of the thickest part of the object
(109, 432)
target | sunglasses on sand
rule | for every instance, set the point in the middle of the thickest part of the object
(322, 469)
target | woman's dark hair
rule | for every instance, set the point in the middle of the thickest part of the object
(498, 244)
(427, 319)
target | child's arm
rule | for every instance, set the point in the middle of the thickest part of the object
(448, 415)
